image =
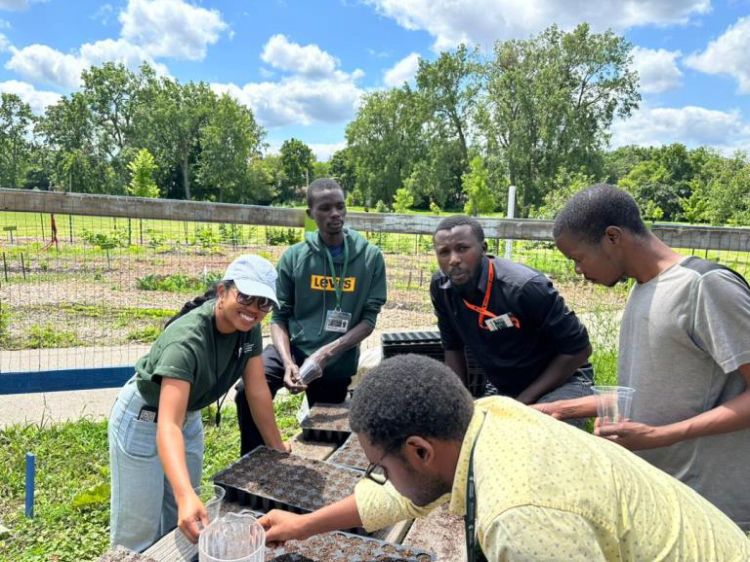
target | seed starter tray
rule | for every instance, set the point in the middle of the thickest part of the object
(345, 547)
(327, 422)
(350, 455)
(266, 479)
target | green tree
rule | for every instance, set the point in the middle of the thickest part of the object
(16, 122)
(142, 169)
(403, 200)
(297, 161)
(228, 140)
(449, 88)
(341, 168)
(265, 176)
(550, 102)
(479, 198)
(385, 142)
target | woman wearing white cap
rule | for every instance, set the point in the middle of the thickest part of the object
(155, 428)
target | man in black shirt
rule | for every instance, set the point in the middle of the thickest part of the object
(510, 316)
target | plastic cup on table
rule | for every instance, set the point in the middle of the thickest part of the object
(235, 537)
(211, 496)
(613, 403)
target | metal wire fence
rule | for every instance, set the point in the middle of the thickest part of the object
(89, 281)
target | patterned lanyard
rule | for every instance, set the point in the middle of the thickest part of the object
(338, 284)
(470, 519)
(483, 312)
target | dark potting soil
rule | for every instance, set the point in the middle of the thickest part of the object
(333, 417)
(352, 455)
(288, 479)
(343, 547)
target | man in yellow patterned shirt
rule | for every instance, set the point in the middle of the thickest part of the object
(544, 490)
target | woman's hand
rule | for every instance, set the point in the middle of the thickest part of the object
(192, 516)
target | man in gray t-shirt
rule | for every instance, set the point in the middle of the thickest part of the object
(684, 347)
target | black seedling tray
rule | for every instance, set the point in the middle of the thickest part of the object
(350, 455)
(266, 479)
(327, 422)
(345, 547)
(428, 343)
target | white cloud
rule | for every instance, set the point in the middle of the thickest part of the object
(727, 55)
(323, 152)
(171, 28)
(315, 90)
(482, 22)
(297, 100)
(309, 60)
(40, 63)
(4, 43)
(403, 71)
(657, 69)
(690, 125)
(37, 99)
(13, 4)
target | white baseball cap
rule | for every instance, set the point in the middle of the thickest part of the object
(254, 276)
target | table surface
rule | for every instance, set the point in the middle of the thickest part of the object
(440, 533)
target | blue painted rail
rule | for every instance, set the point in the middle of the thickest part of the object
(64, 379)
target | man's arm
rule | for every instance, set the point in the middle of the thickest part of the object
(557, 372)
(732, 415)
(282, 526)
(280, 340)
(456, 360)
(350, 339)
(584, 407)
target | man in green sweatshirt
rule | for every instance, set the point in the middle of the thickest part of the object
(330, 288)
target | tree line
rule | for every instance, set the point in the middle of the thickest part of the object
(535, 113)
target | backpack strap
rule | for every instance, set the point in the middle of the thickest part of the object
(704, 266)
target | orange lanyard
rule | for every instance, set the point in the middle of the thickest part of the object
(483, 312)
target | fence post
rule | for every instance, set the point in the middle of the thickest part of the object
(30, 484)
(511, 214)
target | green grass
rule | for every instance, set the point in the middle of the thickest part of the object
(71, 522)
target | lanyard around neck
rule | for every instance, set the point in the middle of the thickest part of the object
(470, 519)
(338, 284)
(483, 312)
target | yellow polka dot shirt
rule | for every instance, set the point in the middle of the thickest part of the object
(549, 492)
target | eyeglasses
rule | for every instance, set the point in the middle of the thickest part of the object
(264, 304)
(377, 477)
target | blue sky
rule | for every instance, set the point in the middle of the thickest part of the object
(303, 65)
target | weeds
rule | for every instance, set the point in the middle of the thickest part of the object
(48, 335)
(72, 496)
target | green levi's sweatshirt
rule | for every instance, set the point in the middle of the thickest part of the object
(306, 292)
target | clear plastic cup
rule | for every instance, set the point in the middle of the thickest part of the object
(211, 496)
(235, 536)
(613, 403)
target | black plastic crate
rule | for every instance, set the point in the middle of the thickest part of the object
(428, 343)
(345, 547)
(266, 479)
(327, 422)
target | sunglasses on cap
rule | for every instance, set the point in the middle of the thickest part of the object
(264, 304)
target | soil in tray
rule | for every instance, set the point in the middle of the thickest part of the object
(350, 454)
(327, 417)
(287, 479)
(342, 547)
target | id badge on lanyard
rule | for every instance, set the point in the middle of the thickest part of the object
(337, 320)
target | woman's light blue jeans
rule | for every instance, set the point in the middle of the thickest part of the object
(142, 507)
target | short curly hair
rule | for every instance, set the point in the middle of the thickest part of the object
(318, 185)
(449, 223)
(589, 212)
(410, 395)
